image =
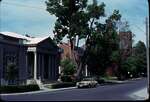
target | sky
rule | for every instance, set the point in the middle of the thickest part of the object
(30, 16)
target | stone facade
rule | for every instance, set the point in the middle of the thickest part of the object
(34, 58)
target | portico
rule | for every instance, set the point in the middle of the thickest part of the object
(42, 63)
(35, 58)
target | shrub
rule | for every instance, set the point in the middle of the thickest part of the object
(11, 72)
(68, 67)
(62, 85)
(99, 80)
(66, 78)
(18, 88)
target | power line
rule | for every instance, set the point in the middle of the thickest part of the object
(41, 8)
(23, 5)
(123, 22)
(138, 27)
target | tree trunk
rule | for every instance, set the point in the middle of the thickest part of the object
(81, 64)
(83, 59)
(73, 56)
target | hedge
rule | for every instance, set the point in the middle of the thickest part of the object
(18, 88)
(61, 85)
(66, 78)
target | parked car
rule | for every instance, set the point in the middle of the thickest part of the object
(87, 82)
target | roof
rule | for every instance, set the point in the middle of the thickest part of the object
(14, 35)
(35, 40)
(30, 40)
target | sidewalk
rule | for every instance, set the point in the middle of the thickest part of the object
(40, 91)
(140, 94)
(121, 82)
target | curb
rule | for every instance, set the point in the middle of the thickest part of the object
(124, 81)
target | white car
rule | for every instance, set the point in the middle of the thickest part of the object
(87, 82)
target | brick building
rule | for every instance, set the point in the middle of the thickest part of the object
(125, 43)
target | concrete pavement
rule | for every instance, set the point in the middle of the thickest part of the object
(141, 94)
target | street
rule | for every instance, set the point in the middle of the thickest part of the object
(102, 92)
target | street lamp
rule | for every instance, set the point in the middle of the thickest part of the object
(147, 51)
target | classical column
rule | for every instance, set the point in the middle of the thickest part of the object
(27, 69)
(52, 66)
(42, 66)
(86, 71)
(1, 62)
(39, 66)
(49, 67)
(35, 65)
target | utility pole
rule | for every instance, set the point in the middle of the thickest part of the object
(147, 51)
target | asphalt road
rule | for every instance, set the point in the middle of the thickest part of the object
(100, 93)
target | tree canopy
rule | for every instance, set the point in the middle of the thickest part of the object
(78, 18)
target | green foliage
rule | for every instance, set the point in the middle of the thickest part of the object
(115, 57)
(71, 19)
(12, 71)
(135, 64)
(20, 88)
(140, 48)
(78, 18)
(67, 78)
(61, 85)
(95, 10)
(104, 40)
(140, 54)
(68, 67)
(129, 67)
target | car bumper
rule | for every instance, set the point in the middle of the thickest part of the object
(83, 85)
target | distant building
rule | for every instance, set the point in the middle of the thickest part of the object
(125, 46)
(125, 43)
(35, 58)
(66, 53)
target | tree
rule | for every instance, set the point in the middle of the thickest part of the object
(71, 19)
(140, 54)
(77, 18)
(68, 69)
(129, 67)
(135, 65)
(103, 41)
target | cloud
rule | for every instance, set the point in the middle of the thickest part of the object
(26, 19)
(30, 16)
